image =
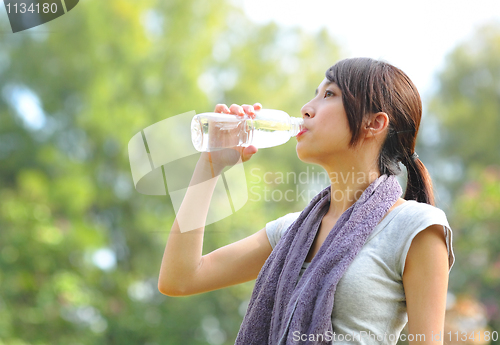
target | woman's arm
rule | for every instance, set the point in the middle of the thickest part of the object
(183, 251)
(425, 281)
(184, 271)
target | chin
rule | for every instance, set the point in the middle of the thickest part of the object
(303, 155)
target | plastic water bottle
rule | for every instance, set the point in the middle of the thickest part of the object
(215, 131)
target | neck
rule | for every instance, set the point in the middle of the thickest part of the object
(347, 184)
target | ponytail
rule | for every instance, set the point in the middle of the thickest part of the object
(419, 184)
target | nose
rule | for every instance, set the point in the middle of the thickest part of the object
(307, 111)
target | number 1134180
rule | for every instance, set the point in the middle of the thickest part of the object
(32, 8)
(465, 336)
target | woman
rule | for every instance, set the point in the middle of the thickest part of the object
(359, 261)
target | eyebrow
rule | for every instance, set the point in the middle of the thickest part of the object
(327, 84)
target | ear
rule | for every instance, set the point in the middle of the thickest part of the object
(376, 125)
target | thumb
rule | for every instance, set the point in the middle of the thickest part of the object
(248, 152)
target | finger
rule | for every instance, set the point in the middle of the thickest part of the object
(248, 110)
(252, 149)
(248, 152)
(237, 110)
(221, 108)
(257, 106)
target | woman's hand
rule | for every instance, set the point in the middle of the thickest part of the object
(227, 157)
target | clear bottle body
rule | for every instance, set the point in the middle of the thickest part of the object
(215, 131)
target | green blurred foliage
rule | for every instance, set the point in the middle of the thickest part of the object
(467, 105)
(102, 73)
(477, 212)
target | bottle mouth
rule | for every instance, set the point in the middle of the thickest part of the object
(296, 125)
(301, 123)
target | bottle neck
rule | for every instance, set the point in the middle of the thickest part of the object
(295, 125)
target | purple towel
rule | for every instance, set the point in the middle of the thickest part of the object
(279, 305)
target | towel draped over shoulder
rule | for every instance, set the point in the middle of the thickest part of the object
(279, 306)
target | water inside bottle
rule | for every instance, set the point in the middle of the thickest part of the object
(270, 133)
(217, 131)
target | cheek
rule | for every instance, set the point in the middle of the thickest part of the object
(334, 135)
(340, 128)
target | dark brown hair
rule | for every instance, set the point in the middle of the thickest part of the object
(369, 86)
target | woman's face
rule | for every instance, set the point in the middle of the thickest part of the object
(327, 134)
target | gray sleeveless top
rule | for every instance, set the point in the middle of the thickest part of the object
(370, 304)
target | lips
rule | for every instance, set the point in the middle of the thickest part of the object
(302, 132)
